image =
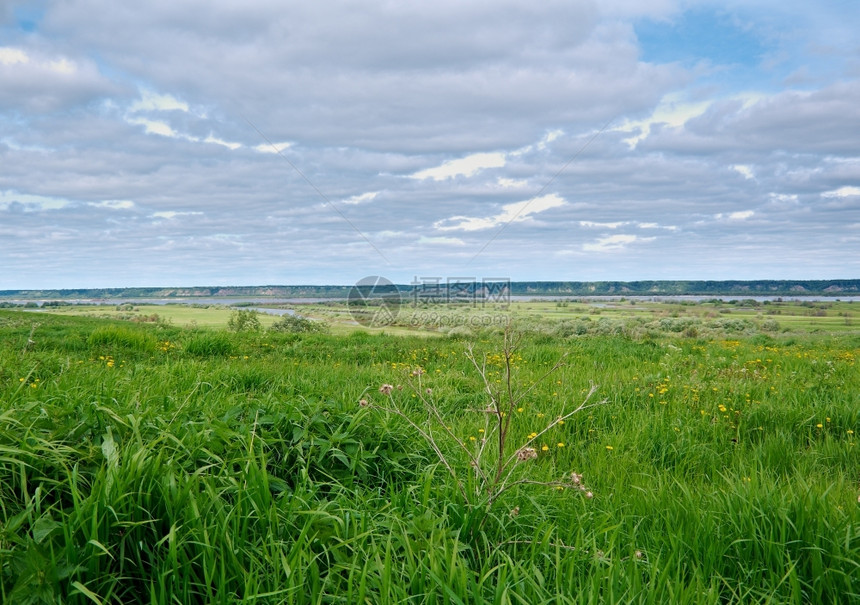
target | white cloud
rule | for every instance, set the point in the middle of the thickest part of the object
(113, 204)
(551, 136)
(152, 101)
(511, 183)
(784, 199)
(744, 171)
(62, 66)
(843, 192)
(445, 241)
(467, 166)
(361, 198)
(541, 145)
(672, 111)
(516, 212)
(657, 226)
(614, 242)
(740, 215)
(11, 56)
(273, 147)
(155, 127)
(15, 56)
(595, 225)
(171, 214)
(31, 203)
(216, 141)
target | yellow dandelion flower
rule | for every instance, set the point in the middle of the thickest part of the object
(819, 425)
(544, 448)
(610, 448)
(560, 444)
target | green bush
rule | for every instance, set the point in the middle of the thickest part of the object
(294, 323)
(244, 320)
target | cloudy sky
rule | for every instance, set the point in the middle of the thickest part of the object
(204, 142)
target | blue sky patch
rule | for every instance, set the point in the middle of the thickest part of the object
(28, 18)
(717, 37)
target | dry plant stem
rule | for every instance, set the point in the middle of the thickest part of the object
(498, 415)
(435, 413)
(504, 416)
(30, 342)
(505, 419)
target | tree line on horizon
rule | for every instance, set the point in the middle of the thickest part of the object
(517, 288)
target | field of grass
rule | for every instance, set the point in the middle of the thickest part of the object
(151, 462)
(182, 315)
(636, 318)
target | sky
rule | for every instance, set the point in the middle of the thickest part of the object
(204, 142)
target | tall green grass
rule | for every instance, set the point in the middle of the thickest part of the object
(136, 465)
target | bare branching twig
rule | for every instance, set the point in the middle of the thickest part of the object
(497, 467)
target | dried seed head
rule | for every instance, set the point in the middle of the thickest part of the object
(429, 391)
(638, 554)
(515, 511)
(363, 403)
(526, 453)
(386, 389)
(576, 478)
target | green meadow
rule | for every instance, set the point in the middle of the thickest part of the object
(621, 453)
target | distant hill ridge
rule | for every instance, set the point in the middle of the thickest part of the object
(833, 287)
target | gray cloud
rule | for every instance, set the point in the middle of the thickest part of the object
(134, 161)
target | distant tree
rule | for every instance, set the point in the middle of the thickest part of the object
(294, 323)
(244, 320)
